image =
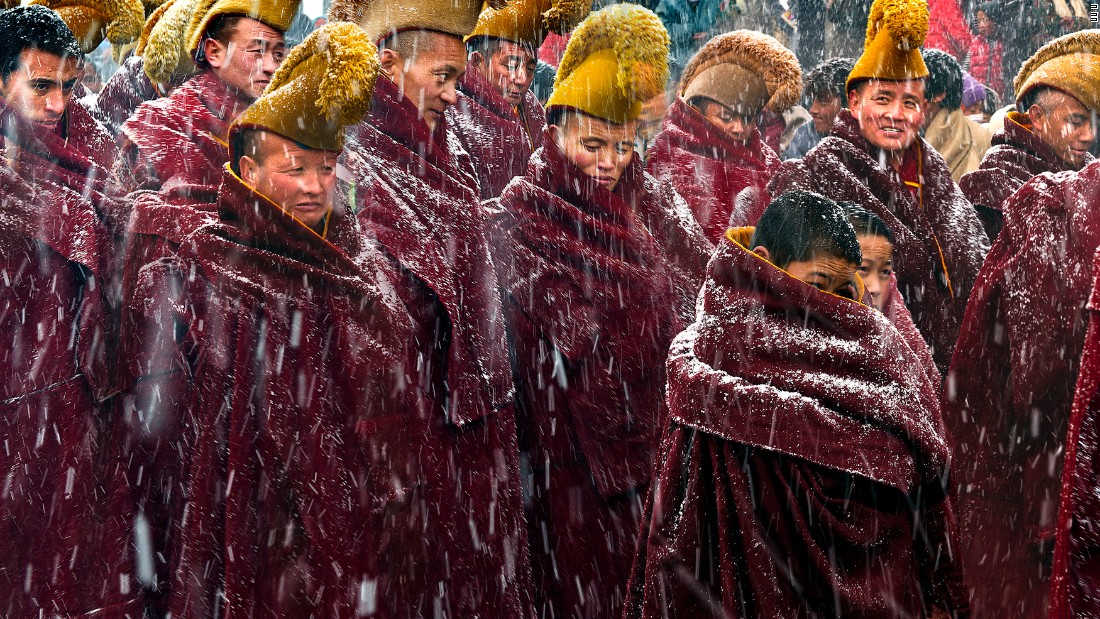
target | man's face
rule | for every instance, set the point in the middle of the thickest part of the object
(600, 149)
(826, 273)
(1065, 125)
(300, 180)
(430, 78)
(41, 85)
(511, 70)
(824, 110)
(877, 266)
(890, 113)
(737, 127)
(249, 59)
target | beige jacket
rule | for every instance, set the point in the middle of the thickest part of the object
(960, 141)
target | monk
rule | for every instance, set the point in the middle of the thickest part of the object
(791, 484)
(270, 350)
(876, 158)
(710, 148)
(588, 322)
(63, 552)
(959, 140)
(497, 118)
(458, 542)
(1052, 129)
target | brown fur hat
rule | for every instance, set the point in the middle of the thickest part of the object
(754, 53)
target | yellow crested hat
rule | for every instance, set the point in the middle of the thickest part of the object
(1070, 63)
(527, 22)
(90, 21)
(616, 60)
(381, 18)
(896, 30)
(163, 42)
(324, 85)
(275, 13)
(744, 70)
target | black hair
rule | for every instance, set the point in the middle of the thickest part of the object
(33, 27)
(827, 80)
(865, 222)
(220, 29)
(944, 78)
(488, 46)
(992, 101)
(244, 142)
(800, 225)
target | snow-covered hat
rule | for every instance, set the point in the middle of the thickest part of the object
(527, 22)
(381, 18)
(92, 20)
(324, 85)
(616, 60)
(896, 30)
(1070, 63)
(744, 70)
(275, 13)
(163, 42)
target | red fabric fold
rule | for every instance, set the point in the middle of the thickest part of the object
(804, 469)
(498, 139)
(710, 170)
(1011, 384)
(939, 241)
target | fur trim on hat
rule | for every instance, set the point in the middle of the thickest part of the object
(1083, 42)
(564, 15)
(758, 53)
(121, 19)
(431, 11)
(905, 20)
(165, 51)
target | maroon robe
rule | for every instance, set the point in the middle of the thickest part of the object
(459, 544)
(180, 139)
(498, 137)
(273, 360)
(64, 551)
(803, 470)
(939, 241)
(1075, 579)
(708, 169)
(1011, 383)
(593, 300)
(1017, 156)
(120, 97)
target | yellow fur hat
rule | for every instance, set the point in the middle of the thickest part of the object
(616, 60)
(381, 18)
(527, 22)
(1070, 63)
(895, 33)
(275, 13)
(324, 85)
(163, 42)
(744, 70)
(92, 20)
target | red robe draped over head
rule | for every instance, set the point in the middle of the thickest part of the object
(180, 140)
(499, 138)
(593, 301)
(939, 241)
(803, 471)
(460, 544)
(1017, 156)
(120, 97)
(710, 170)
(1075, 579)
(64, 551)
(273, 359)
(1010, 387)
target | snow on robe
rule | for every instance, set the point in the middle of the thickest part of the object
(272, 360)
(64, 549)
(804, 469)
(1008, 394)
(1017, 156)
(592, 301)
(120, 97)
(707, 168)
(499, 138)
(179, 139)
(1075, 580)
(460, 543)
(939, 242)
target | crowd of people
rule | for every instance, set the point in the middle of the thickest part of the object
(361, 325)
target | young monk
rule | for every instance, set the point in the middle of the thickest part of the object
(803, 469)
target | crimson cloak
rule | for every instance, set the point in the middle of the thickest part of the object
(939, 241)
(804, 469)
(1011, 383)
(499, 138)
(710, 170)
(459, 545)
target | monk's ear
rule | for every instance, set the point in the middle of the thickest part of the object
(250, 170)
(387, 61)
(1036, 114)
(763, 252)
(213, 51)
(477, 58)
